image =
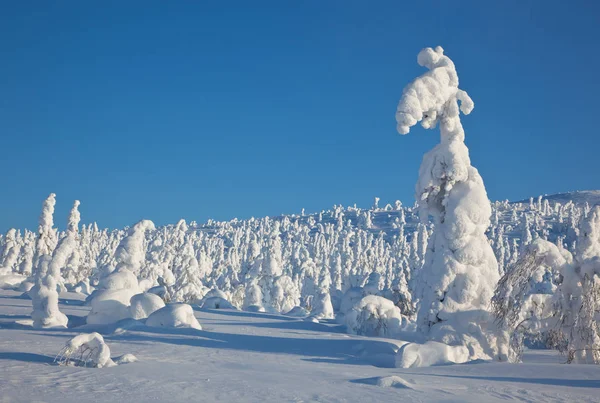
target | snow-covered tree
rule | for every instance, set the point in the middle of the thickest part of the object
(460, 271)
(44, 295)
(568, 317)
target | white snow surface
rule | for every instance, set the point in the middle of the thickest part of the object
(250, 357)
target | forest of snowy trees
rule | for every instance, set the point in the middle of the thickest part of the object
(275, 262)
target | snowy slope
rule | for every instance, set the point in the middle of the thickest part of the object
(592, 197)
(252, 357)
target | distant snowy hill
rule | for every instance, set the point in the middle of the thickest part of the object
(592, 197)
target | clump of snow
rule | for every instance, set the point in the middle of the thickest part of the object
(216, 303)
(412, 355)
(89, 349)
(174, 315)
(144, 304)
(375, 316)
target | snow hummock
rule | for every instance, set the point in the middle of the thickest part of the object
(431, 353)
(144, 304)
(174, 315)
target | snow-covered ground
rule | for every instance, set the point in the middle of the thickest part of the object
(255, 357)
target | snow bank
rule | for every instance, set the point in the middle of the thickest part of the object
(174, 315)
(375, 316)
(414, 355)
(144, 304)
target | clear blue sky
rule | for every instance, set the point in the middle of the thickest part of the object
(222, 109)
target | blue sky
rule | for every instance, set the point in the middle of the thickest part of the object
(197, 110)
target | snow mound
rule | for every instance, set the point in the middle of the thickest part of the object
(215, 293)
(413, 355)
(375, 316)
(216, 303)
(109, 306)
(143, 305)
(125, 359)
(174, 315)
(11, 281)
(255, 308)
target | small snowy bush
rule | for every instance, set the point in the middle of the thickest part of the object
(143, 305)
(110, 306)
(375, 316)
(86, 349)
(174, 315)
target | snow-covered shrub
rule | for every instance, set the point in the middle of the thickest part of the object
(110, 306)
(89, 349)
(144, 304)
(174, 315)
(110, 301)
(375, 316)
(253, 296)
(322, 308)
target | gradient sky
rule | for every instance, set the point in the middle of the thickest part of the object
(223, 109)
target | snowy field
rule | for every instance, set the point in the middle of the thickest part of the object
(244, 356)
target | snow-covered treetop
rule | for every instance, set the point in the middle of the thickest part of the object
(74, 217)
(433, 95)
(46, 221)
